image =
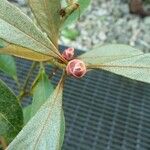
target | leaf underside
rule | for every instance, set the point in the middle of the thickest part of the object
(108, 53)
(47, 15)
(119, 59)
(137, 68)
(16, 28)
(43, 130)
(18, 51)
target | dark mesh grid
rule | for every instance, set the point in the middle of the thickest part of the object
(103, 111)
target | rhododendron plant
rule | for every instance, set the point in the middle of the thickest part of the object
(42, 125)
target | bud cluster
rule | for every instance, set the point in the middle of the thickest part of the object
(75, 67)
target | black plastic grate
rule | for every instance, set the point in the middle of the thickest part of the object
(103, 111)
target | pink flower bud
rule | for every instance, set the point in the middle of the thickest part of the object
(76, 68)
(68, 53)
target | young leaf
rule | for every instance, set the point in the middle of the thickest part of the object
(11, 117)
(17, 28)
(43, 130)
(41, 91)
(7, 65)
(47, 15)
(108, 53)
(83, 4)
(27, 113)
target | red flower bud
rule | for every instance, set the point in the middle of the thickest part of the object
(76, 68)
(68, 53)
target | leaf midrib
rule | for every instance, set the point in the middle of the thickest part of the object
(91, 64)
(47, 13)
(3, 116)
(48, 117)
(28, 35)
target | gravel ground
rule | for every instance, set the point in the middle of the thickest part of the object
(109, 21)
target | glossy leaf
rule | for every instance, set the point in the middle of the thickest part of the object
(17, 28)
(11, 117)
(43, 130)
(8, 66)
(76, 14)
(108, 53)
(47, 16)
(15, 50)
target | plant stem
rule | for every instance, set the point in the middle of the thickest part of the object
(3, 142)
(57, 64)
(23, 91)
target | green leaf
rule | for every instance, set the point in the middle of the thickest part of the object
(19, 51)
(62, 130)
(42, 88)
(27, 114)
(76, 14)
(8, 66)
(47, 15)
(108, 53)
(71, 34)
(41, 91)
(15, 50)
(43, 130)
(11, 117)
(137, 67)
(120, 59)
(2, 43)
(17, 28)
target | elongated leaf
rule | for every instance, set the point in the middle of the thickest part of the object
(15, 50)
(137, 67)
(41, 91)
(76, 14)
(43, 130)
(7, 65)
(47, 15)
(108, 53)
(27, 117)
(62, 130)
(11, 117)
(120, 59)
(17, 28)
(2, 43)
(27, 113)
